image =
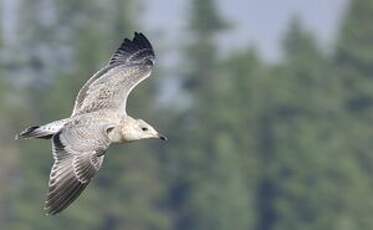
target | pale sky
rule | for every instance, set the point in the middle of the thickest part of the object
(258, 22)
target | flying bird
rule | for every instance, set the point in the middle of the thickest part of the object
(99, 119)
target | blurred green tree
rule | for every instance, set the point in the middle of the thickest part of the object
(241, 103)
(353, 63)
(300, 102)
(209, 190)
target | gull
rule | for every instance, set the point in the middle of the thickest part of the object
(99, 119)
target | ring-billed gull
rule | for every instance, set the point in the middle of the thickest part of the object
(99, 118)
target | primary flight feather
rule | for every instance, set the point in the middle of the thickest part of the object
(99, 118)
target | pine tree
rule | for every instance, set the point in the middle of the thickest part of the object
(28, 192)
(209, 190)
(8, 154)
(297, 128)
(353, 61)
(243, 101)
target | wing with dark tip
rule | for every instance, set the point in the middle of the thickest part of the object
(138, 50)
(109, 88)
(78, 155)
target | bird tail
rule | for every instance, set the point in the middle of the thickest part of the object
(44, 131)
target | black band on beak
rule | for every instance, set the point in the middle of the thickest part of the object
(163, 138)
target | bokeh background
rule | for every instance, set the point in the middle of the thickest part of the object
(268, 106)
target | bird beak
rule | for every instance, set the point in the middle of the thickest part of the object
(163, 138)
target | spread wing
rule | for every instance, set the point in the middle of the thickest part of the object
(109, 88)
(78, 155)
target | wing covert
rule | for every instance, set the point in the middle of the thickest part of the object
(78, 155)
(130, 64)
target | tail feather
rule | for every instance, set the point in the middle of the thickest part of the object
(43, 131)
(34, 131)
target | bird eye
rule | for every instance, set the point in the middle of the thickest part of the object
(144, 129)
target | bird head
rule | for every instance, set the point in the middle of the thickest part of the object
(137, 129)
